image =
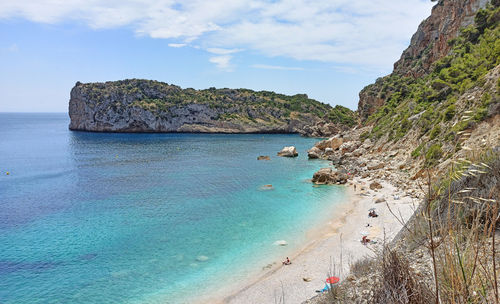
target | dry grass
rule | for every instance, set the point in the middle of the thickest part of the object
(457, 224)
(398, 282)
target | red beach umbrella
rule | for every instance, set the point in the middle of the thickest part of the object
(332, 280)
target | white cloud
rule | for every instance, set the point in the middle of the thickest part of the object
(13, 48)
(362, 32)
(276, 67)
(222, 62)
(177, 45)
(221, 51)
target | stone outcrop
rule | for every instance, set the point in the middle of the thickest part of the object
(314, 153)
(430, 42)
(375, 186)
(329, 176)
(288, 152)
(136, 105)
(263, 157)
(321, 129)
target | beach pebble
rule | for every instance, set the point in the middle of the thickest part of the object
(307, 279)
(202, 258)
(281, 243)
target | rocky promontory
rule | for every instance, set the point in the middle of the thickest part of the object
(136, 105)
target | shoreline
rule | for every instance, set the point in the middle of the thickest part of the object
(330, 248)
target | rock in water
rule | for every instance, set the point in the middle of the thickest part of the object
(267, 187)
(328, 176)
(263, 157)
(202, 258)
(313, 153)
(281, 243)
(288, 152)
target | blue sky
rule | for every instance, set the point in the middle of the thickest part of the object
(328, 49)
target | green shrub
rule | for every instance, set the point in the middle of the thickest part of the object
(449, 113)
(342, 115)
(433, 154)
(416, 153)
(435, 132)
(480, 114)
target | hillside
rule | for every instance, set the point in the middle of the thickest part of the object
(136, 105)
(431, 129)
(430, 113)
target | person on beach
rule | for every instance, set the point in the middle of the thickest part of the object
(372, 214)
(287, 261)
(365, 240)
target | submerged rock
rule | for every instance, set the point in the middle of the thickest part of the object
(288, 152)
(202, 258)
(263, 157)
(267, 187)
(281, 243)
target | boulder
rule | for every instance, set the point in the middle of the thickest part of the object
(314, 152)
(288, 152)
(359, 152)
(375, 165)
(329, 176)
(375, 186)
(334, 143)
(262, 157)
(380, 200)
(350, 146)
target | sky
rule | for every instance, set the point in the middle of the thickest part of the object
(327, 49)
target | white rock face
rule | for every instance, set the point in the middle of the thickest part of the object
(288, 152)
(148, 106)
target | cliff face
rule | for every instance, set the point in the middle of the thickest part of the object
(151, 106)
(428, 44)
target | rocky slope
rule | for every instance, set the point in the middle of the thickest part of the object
(429, 44)
(150, 106)
(441, 119)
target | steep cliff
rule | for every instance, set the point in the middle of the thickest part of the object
(150, 106)
(429, 44)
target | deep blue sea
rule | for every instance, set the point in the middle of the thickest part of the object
(145, 218)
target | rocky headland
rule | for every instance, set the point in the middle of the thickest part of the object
(136, 105)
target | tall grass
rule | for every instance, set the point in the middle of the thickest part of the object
(457, 225)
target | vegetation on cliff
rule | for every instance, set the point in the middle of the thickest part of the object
(460, 90)
(159, 97)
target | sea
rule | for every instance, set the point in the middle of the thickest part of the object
(147, 218)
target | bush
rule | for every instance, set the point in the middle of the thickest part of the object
(416, 153)
(449, 113)
(434, 153)
(435, 132)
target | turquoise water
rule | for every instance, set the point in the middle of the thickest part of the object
(145, 218)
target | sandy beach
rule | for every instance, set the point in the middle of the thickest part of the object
(333, 247)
